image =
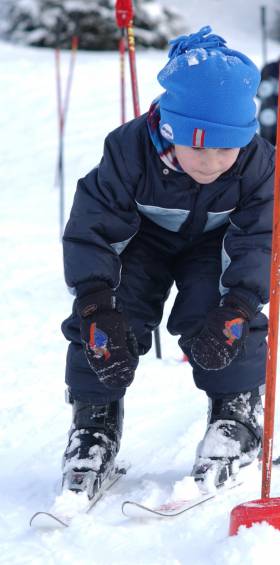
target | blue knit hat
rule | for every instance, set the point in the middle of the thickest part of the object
(210, 89)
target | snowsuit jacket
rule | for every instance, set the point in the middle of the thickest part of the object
(132, 184)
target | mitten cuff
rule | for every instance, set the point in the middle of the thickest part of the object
(98, 301)
(88, 287)
(244, 301)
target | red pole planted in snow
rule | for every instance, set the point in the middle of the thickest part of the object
(271, 364)
(267, 509)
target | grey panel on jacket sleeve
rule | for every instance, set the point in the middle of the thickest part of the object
(169, 218)
(226, 260)
(246, 253)
(120, 246)
(217, 219)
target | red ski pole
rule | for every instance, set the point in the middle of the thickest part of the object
(122, 74)
(133, 74)
(123, 15)
(62, 107)
(268, 509)
(124, 18)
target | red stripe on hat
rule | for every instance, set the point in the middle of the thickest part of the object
(194, 137)
(198, 137)
(202, 138)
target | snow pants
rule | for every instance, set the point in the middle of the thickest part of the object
(150, 266)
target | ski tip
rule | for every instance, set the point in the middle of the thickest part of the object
(124, 505)
(133, 509)
(43, 519)
(33, 517)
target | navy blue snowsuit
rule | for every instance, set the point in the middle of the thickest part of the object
(140, 226)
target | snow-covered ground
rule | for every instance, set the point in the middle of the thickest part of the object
(165, 413)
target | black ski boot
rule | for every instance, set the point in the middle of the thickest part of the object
(232, 439)
(94, 441)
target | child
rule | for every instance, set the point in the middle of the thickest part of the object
(182, 194)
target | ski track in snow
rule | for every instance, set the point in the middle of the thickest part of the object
(165, 413)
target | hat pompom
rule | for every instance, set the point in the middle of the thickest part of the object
(203, 38)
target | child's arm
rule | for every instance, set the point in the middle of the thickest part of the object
(103, 220)
(245, 280)
(247, 243)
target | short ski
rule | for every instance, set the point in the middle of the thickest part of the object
(133, 509)
(53, 520)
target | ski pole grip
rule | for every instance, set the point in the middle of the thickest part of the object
(124, 13)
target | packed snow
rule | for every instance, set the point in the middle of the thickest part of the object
(165, 415)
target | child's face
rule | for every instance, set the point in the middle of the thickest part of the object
(205, 165)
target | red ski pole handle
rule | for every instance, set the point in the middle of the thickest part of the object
(124, 13)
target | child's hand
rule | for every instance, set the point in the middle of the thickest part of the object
(221, 339)
(109, 344)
